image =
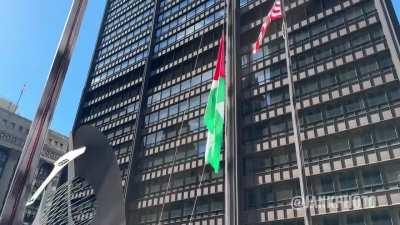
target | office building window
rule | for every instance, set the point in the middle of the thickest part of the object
(327, 185)
(353, 105)
(372, 177)
(362, 139)
(3, 161)
(376, 98)
(251, 199)
(381, 218)
(340, 144)
(324, 185)
(394, 94)
(347, 181)
(355, 220)
(333, 110)
(392, 175)
(331, 220)
(267, 197)
(312, 115)
(387, 133)
(316, 150)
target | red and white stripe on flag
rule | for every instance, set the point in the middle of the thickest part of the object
(274, 14)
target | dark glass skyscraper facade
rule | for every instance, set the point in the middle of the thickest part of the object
(148, 86)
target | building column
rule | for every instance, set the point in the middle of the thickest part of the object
(7, 175)
(390, 32)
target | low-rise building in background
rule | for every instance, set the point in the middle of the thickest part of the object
(13, 132)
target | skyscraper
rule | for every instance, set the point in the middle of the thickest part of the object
(149, 81)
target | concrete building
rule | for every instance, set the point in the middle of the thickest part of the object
(13, 132)
(148, 85)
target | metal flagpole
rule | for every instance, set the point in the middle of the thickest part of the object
(21, 185)
(231, 143)
(20, 97)
(295, 123)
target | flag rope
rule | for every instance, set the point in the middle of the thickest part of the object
(295, 121)
(205, 160)
(176, 147)
(196, 195)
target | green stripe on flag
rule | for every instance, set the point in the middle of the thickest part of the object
(214, 121)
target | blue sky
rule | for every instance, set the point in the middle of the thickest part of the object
(30, 34)
(29, 37)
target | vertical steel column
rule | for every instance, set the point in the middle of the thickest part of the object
(389, 26)
(231, 141)
(295, 123)
(86, 88)
(129, 195)
(14, 207)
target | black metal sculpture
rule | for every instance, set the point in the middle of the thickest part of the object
(99, 167)
(98, 170)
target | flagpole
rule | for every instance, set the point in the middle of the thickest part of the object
(231, 129)
(21, 185)
(20, 97)
(295, 122)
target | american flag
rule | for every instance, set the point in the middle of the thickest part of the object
(274, 14)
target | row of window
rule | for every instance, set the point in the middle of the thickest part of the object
(183, 209)
(124, 83)
(123, 149)
(132, 5)
(353, 181)
(178, 108)
(193, 125)
(121, 66)
(182, 19)
(332, 49)
(330, 147)
(177, 89)
(315, 85)
(336, 48)
(368, 218)
(181, 180)
(356, 71)
(355, 104)
(122, 130)
(125, 15)
(9, 125)
(310, 117)
(179, 4)
(129, 27)
(124, 41)
(189, 30)
(102, 64)
(175, 9)
(307, 33)
(121, 109)
(183, 153)
(114, 101)
(356, 181)
(333, 22)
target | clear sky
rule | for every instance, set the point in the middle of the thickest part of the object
(30, 31)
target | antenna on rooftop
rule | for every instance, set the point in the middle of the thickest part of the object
(20, 96)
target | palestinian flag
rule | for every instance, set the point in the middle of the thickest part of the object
(214, 115)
